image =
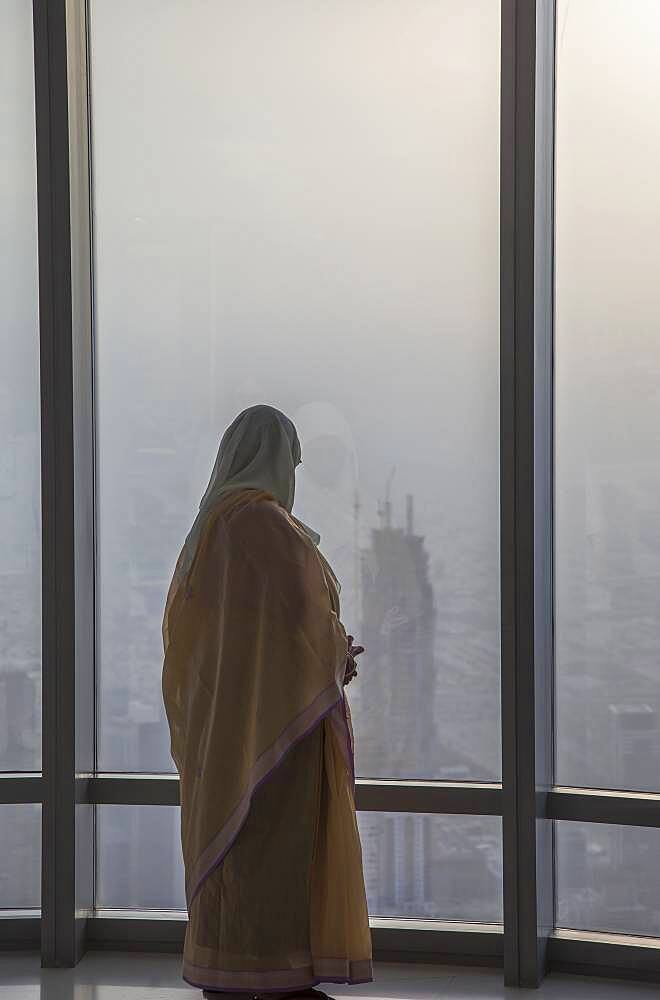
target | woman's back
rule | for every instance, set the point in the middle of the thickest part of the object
(253, 684)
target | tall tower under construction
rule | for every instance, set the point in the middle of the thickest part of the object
(398, 625)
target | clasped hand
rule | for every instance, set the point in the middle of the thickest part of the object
(351, 665)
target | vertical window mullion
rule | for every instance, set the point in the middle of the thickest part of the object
(526, 480)
(67, 480)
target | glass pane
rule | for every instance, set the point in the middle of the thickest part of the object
(20, 857)
(608, 394)
(321, 234)
(139, 864)
(20, 513)
(608, 878)
(432, 867)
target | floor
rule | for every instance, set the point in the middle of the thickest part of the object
(116, 976)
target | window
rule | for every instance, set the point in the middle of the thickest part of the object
(20, 858)
(433, 867)
(139, 858)
(608, 395)
(299, 203)
(607, 878)
(430, 867)
(20, 509)
(322, 252)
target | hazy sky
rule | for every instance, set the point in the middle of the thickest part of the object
(19, 373)
(298, 203)
(608, 230)
(607, 360)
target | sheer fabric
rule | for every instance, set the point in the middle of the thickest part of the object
(260, 450)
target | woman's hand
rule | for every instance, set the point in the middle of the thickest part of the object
(351, 665)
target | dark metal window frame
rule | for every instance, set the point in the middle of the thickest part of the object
(527, 945)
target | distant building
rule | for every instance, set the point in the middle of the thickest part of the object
(415, 865)
(634, 742)
(397, 685)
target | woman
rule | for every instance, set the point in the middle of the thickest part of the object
(256, 661)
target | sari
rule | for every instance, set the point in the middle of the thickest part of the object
(253, 684)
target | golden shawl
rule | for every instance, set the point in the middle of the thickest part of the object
(255, 657)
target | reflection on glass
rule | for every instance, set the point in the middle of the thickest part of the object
(20, 857)
(431, 867)
(608, 878)
(20, 516)
(608, 394)
(298, 204)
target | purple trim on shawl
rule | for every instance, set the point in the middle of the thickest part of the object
(301, 727)
(349, 740)
(325, 970)
(342, 970)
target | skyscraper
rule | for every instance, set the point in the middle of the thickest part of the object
(398, 630)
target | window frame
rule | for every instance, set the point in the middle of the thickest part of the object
(527, 945)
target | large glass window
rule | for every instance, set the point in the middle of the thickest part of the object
(431, 867)
(20, 512)
(608, 394)
(298, 204)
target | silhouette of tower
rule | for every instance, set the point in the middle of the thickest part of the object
(398, 626)
(396, 724)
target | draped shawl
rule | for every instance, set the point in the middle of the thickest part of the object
(255, 656)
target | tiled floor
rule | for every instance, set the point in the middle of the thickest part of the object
(115, 976)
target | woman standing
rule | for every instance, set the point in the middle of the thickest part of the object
(256, 660)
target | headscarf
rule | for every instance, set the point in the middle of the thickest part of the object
(259, 450)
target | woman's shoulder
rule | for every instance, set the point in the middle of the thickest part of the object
(262, 521)
(261, 510)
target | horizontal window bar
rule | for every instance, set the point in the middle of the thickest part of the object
(442, 797)
(372, 796)
(586, 805)
(138, 916)
(443, 941)
(401, 923)
(20, 930)
(394, 940)
(20, 788)
(137, 930)
(613, 955)
(134, 789)
(603, 937)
